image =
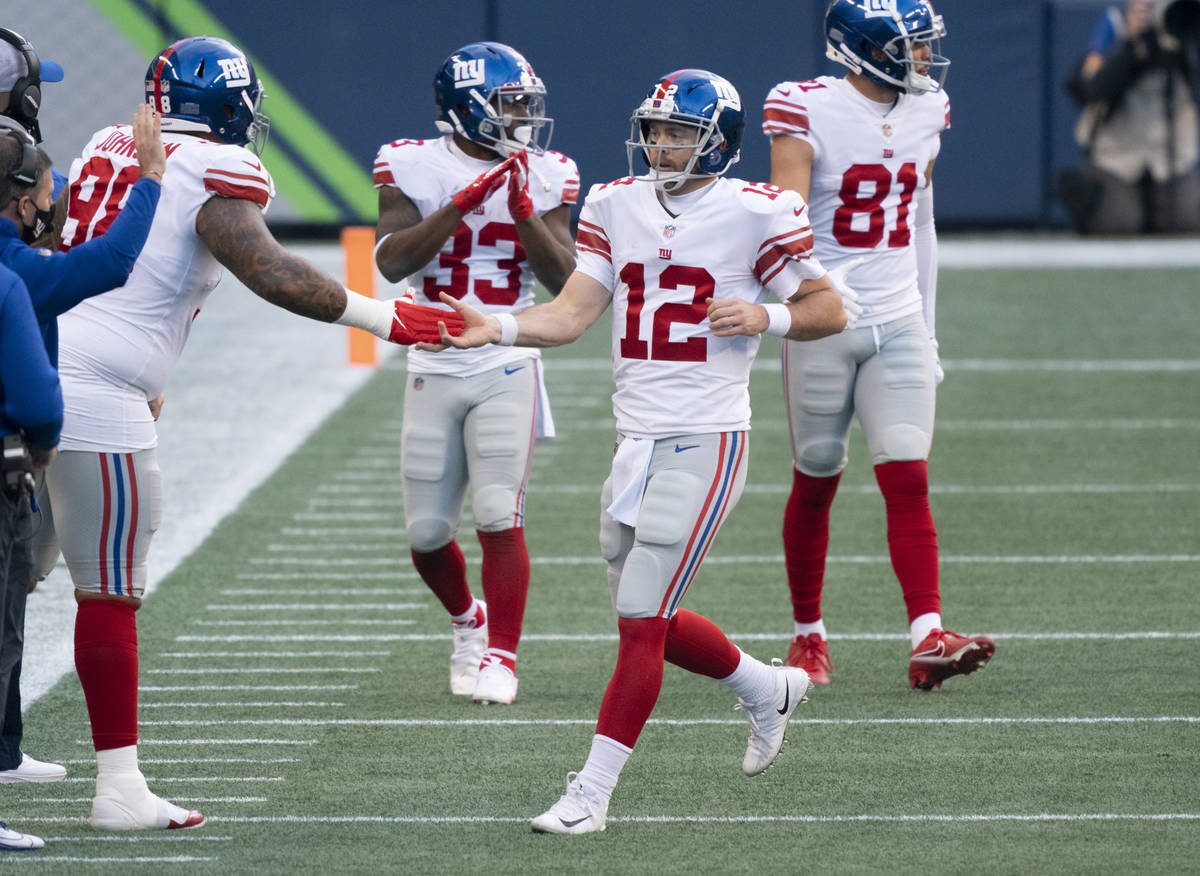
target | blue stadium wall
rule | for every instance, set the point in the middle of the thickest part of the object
(363, 72)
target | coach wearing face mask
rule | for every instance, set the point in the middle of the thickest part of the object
(57, 281)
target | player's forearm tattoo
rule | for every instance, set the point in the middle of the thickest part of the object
(238, 237)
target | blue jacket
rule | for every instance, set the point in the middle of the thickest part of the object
(30, 397)
(57, 281)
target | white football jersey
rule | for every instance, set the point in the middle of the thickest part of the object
(673, 375)
(118, 349)
(483, 262)
(869, 164)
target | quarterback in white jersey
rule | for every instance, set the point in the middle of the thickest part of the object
(685, 257)
(102, 495)
(861, 150)
(477, 214)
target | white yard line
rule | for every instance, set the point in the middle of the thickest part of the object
(183, 760)
(157, 688)
(325, 576)
(301, 655)
(672, 722)
(310, 606)
(934, 489)
(342, 592)
(35, 859)
(275, 704)
(758, 636)
(262, 670)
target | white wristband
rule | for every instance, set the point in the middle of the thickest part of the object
(367, 313)
(779, 319)
(508, 329)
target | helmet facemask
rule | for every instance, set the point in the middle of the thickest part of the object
(259, 128)
(511, 118)
(707, 141)
(901, 65)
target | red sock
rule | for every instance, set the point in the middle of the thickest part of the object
(444, 571)
(505, 585)
(912, 538)
(697, 644)
(806, 541)
(633, 689)
(106, 660)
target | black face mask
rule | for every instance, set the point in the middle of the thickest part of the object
(43, 220)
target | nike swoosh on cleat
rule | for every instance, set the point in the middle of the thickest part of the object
(787, 695)
(679, 449)
(566, 823)
(513, 370)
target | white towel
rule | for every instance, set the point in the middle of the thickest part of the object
(544, 422)
(631, 464)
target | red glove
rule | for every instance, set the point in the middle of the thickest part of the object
(482, 188)
(415, 322)
(520, 205)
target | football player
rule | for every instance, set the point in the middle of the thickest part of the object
(478, 213)
(860, 149)
(102, 493)
(685, 256)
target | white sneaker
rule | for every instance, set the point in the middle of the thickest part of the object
(15, 841)
(123, 802)
(470, 642)
(30, 770)
(575, 812)
(768, 719)
(496, 684)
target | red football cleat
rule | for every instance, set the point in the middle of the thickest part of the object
(942, 654)
(811, 653)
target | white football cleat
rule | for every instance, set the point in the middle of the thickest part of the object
(768, 719)
(575, 812)
(496, 685)
(123, 802)
(31, 770)
(15, 841)
(470, 641)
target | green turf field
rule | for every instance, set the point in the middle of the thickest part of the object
(294, 669)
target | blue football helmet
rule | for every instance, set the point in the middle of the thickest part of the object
(695, 98)
(895, 28)
(205, 84)
(488, 93)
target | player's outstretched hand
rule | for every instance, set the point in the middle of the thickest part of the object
(849, 297)
(480, 329)
(520, 204)
(414, 323)
(733, 316)
(483, 187)
(147, 138)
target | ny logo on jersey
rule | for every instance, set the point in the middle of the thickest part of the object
(664, 253)
(468, 72)
(235, 71)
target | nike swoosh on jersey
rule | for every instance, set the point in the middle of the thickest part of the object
(257, 166)
(785, 92)
(513, 370)
(679, 449)
(798, 210)
(787, 696)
